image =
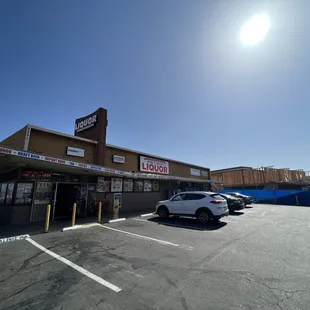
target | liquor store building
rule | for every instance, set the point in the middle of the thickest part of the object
(40, 167)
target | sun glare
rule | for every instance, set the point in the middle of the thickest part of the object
(255, 29)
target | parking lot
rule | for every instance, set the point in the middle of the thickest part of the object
(258, 258)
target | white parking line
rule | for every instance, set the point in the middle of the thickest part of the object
(140, 220)
(147, 214)
(118, 220)
(76, 267)
(141, 237)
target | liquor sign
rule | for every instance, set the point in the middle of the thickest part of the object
(153, 165)
(86, 123)
(195, 172)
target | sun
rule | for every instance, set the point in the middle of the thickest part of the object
(255, 29)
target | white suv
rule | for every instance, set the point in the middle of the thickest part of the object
(202, 205)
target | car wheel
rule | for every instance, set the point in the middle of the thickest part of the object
(203, 216)
(163, 212)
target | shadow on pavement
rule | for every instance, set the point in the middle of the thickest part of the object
(57, 225)
(37, 228)
(187, 223)
(248, 207)
(236, 213)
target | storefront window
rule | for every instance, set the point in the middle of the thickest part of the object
(9, 194)
(103, 185)
(24, 193)
(128, 185)
(138, 185)
(147, 185)
(43, 193)
(116, 185)
(3, 188)
(155, 185)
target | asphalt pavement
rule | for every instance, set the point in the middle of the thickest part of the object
(257, 258)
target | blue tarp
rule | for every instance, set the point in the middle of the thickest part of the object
(283, 197)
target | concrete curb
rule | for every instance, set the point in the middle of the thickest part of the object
(117, 220)
(15, 238)
(147, 214)
(80, 227)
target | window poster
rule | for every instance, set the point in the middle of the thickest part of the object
(116, 185)
(24, 193)
(100, 185)
(43, 193)
(138, 185)
(103, 185)
(147, 185)
(9, 193)
(3, 188)
(128, 185)
(155, 184)
(106, 185)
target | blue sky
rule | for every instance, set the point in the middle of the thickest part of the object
(172, 74)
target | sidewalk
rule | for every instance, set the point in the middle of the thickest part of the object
(57, 225)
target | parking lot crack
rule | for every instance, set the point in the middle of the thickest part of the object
(21, 290)
(182, 298)
(288, 293)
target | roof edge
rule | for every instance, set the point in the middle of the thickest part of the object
(61, 134)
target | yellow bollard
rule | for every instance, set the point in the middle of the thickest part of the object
(73, 214)
(99, 212)
(47, 219)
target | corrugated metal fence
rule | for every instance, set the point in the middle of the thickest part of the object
(281, 197)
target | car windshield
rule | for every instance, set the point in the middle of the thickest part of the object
(228, 196)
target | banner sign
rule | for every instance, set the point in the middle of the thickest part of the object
(8, 151)
(74, 151)
(148, 164)
(205, 173)
(195, 172)
(118, 159)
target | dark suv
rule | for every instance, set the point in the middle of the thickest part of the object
(233, 203)
(247, 200)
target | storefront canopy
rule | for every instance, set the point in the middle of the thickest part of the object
(13, 158)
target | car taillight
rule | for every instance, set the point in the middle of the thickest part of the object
(216, 201)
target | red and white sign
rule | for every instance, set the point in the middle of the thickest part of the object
(153, 165)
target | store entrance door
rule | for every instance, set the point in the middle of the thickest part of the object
(68, 194)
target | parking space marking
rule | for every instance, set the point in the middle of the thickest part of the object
(118, 220)
(140, 220)
(15, 238)
(76, 267)
(147, 214)
(141, 237)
